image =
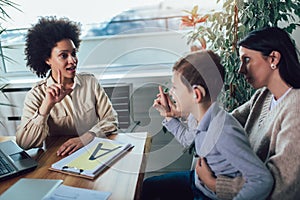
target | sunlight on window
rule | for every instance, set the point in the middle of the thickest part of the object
(91, 11)
(98, 18)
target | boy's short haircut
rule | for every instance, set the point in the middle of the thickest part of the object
(202, 68)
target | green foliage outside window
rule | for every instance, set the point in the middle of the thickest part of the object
(223, 29)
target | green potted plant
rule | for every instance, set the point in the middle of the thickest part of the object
(4, 17)
(221, 30)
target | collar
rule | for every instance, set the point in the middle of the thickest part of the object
(274, 102)
(206, 119)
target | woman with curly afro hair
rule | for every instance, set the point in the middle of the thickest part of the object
(65, 102)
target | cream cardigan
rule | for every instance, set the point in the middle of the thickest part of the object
(274, 136)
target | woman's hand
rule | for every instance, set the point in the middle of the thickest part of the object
(164, 105)
(54, 94)
(73, 144)
(205, 174)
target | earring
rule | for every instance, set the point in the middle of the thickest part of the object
(273, 66)
(195, 96)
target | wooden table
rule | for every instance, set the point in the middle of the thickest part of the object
(124, 178)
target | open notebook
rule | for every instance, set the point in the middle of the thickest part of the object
(91, 160)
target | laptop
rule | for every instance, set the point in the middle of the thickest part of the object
(14, 160)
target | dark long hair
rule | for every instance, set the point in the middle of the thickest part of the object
(271, 39)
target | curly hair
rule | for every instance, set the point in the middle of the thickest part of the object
(43, 36)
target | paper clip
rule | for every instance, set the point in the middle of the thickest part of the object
(72, 169)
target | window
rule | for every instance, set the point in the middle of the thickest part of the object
(125, 17)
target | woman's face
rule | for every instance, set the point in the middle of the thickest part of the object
(63, 58)
(255, 67)
(180, 93)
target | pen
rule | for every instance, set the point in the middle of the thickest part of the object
(72, 169)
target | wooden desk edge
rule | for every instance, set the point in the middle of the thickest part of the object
(140, 181)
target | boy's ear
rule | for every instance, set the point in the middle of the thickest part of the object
(199, 93)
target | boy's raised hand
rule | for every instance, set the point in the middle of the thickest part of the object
(164, 99)
(165, 105)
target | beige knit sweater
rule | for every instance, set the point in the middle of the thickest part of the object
(274, 136)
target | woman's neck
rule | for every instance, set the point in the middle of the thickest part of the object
(69, 85)
(278, 87)
(66, 82)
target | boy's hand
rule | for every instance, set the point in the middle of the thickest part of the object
(165, 105)
(164, 99)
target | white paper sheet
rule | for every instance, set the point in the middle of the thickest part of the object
(64, 192)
